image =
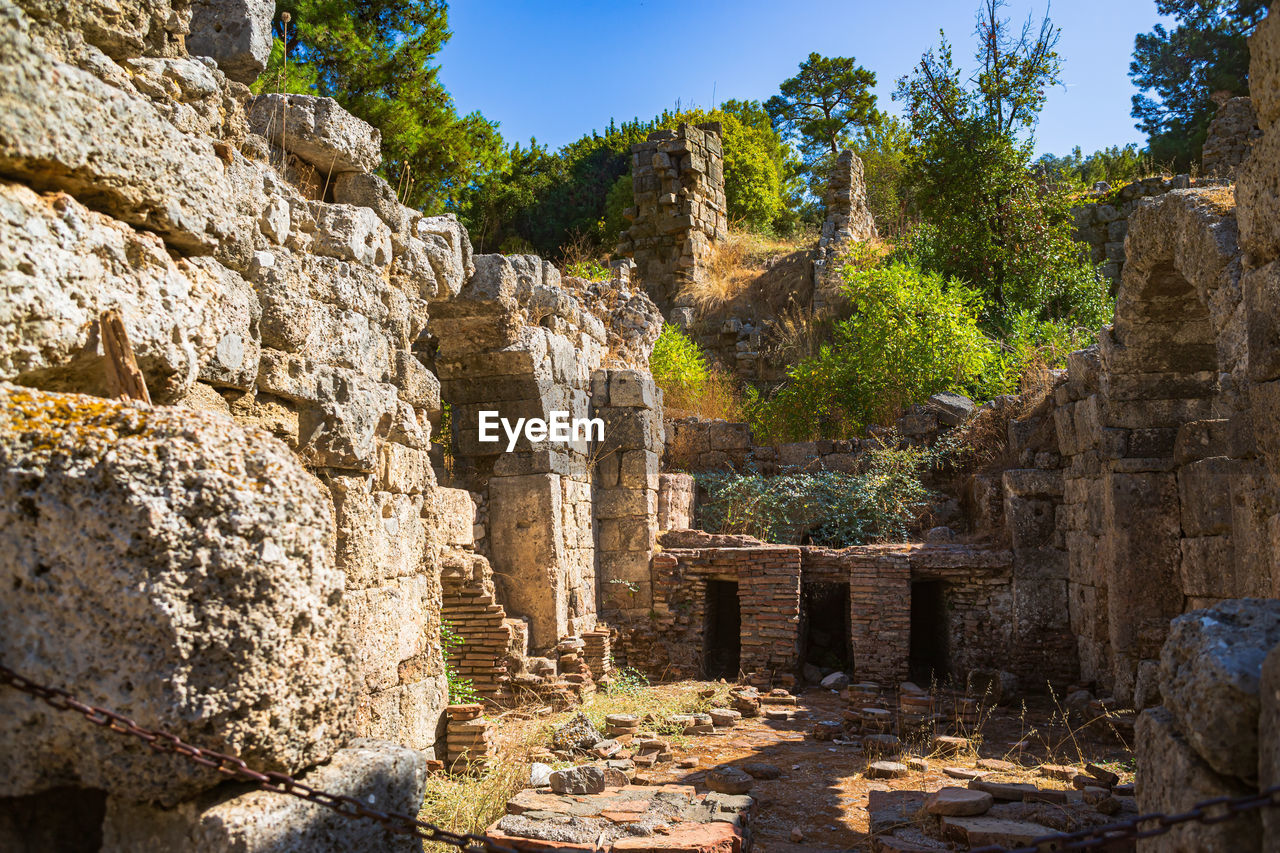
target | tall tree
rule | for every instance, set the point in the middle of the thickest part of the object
(1205, 53)
(993, 221)
(821, 106)
(376, 58)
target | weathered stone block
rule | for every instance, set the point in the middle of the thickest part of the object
(52, 122)
(389, 625)
(1210, 672)
(317, 130)
(454, 516)
(1269, 742)
(382, 774)
(66, 264)
(1264, 71)
(236, 33)
(1208, 567)
(174, 567)
(1172, 777)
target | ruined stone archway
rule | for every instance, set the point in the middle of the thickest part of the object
(1169, 366)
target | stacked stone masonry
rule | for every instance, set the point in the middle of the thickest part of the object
(1231, 135)
(295, 326)
(1101, 225)
(679, 212)
(991, 620)
(848, 220)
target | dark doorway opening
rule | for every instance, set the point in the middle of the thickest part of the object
(825, 618)
(930, 643)
(724, 630)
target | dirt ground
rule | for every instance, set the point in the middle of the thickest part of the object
(822, 791)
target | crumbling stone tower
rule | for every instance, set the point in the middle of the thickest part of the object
(679, 211)
(848, 219)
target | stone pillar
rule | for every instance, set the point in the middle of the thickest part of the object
(679, 211)
(626, 486)
(848, 220)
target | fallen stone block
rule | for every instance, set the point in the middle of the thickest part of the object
(727, 779)
(586, 779)
(959, 802)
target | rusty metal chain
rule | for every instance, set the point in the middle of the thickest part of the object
(235, 768)
(1102, 837)
(1098, 837)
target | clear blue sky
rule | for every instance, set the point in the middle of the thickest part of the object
(555, 69)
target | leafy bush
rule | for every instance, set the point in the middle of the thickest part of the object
(461, 690)
(678, 364)
(879, 503)
(910, 334)
(691, 384)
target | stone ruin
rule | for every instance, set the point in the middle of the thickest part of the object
(1232, 133)
(261, 559)
(679, 212)
(848, 220)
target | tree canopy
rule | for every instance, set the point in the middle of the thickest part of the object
(822, 105)
(1180, 70)
(376, 58)
(992, 221)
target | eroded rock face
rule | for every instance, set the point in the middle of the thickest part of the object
(384, 775)
(63, 128)
(1172, 777)
(63, 265)
(317, 130)
(1210, 672)
(174, 567)
(236, 33)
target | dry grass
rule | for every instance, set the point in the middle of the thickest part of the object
(1221, 199)
(985, 437)
(749, 269)
(469, 803)
(719, 398)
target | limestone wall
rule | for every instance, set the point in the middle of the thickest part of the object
(848, 220)
(679, 212)
(295, 326)
(1231, 135)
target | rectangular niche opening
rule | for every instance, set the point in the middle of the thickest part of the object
(825, 619)
(930, 634)
(723, 640)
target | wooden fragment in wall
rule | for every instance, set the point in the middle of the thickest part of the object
(124, 379)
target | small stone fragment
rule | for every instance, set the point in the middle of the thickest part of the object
(959, 802)
(727, 779)
(886, 770)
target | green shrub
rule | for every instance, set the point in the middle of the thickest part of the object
(910, 334)
(881, 502)
(678, 364)
(461, 690)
